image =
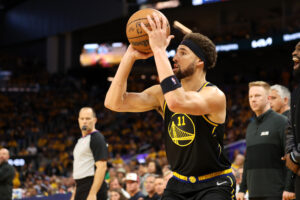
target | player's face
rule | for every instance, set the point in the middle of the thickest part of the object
(258, 99)
(276, 102)
(184, 62)
(296, 59)
(86, 120)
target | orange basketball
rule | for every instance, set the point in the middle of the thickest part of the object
(136, 34)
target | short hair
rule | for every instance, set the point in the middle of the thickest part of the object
(208, 47)
(93, 111)
(263, 84)
(282, 91)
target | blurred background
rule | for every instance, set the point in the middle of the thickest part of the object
(58, 56)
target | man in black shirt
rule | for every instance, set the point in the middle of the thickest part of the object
(7, 173)
(264, 173)
(193, 109)
(90, 159)
(293, 137)
(280, 100)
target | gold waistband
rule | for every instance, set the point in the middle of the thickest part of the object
(194, 179)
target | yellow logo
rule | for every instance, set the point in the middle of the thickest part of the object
(192, 179)
(181, 129)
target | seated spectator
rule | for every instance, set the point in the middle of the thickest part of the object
(154, 167)
(116, 194)
(159, 185)
(238, 162)
(115, 184)
(132, 186)
(150, 188)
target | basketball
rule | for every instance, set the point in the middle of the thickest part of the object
(136, 35)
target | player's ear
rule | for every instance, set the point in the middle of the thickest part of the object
(199, 62)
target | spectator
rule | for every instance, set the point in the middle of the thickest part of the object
(7, 173)
(159, 185)
(116, 194)
(280, 98)
(150, 188)
(132, 186)
(115, 184)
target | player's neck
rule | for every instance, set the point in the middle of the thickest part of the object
(194, 82)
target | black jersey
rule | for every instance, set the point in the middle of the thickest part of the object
(194, 144)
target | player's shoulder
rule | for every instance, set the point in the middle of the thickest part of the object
(213, 90)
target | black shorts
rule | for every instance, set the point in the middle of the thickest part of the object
(218, 188)
(83, 187)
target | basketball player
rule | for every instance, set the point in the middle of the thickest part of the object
(193, 109)
(293, 138)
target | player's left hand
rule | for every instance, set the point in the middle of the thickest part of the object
(91, 197)
(158, 38)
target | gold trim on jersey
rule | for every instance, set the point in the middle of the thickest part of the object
(209, 121)
(213, 131)
(164, 108)
(194, 179)
(233, 190)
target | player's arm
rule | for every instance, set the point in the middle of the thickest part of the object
(117, 97)
(209, 101)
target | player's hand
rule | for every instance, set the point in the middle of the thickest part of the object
(240, 196)
(136, 55)
(288, 195)
(158, 38)
(91, 197)
(290, 164)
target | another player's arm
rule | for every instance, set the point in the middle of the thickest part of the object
(117, 97)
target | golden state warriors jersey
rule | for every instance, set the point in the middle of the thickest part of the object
(194, 144)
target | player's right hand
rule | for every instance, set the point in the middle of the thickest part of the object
(240, 196)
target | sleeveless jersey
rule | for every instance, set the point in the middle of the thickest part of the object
(194, 144)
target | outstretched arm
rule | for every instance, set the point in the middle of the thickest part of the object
(117, 97)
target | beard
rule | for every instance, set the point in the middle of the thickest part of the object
(181, 74)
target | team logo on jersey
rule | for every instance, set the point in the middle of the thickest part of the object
(181, 129)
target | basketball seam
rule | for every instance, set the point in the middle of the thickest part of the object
(138, 20)
(135, 20)
(136, 37)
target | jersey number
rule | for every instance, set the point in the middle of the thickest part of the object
(179, 121)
